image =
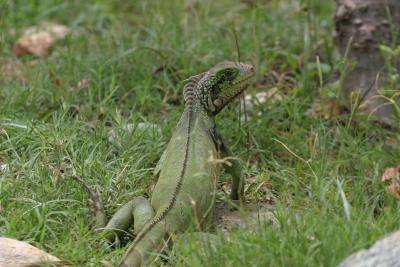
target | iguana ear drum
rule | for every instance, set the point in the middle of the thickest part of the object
(217, 102)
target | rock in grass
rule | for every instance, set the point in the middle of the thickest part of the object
(21, 254)
(40, 40)
(384, 253)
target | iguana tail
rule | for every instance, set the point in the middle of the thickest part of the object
(147, 248)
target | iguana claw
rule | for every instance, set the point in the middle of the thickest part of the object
(95, 203)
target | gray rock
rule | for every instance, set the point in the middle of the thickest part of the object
(384, 253)
(21, 254)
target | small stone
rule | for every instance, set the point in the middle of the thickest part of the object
(21, 254)
(40, 40)
(38, 44)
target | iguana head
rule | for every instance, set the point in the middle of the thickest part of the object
(223, 83)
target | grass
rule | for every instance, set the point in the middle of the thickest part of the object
(324, 173)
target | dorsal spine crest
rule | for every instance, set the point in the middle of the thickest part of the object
(189, 96)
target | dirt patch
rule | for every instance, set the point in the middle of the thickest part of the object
(252, 214)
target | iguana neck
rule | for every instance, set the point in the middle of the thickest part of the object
(196, 109)
(194, 97)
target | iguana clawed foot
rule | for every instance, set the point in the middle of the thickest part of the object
(136, 212)
(95, 203)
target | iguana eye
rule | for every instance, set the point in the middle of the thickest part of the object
(230, 74)
(227, 74)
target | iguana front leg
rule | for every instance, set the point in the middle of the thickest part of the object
(138, 212)
(234, 168)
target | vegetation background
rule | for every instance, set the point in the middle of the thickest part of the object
(123, 64)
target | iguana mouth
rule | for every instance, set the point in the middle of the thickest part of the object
(242, 85)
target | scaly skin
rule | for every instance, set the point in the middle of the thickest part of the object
(184, 195)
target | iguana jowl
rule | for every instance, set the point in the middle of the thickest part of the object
(186, 188)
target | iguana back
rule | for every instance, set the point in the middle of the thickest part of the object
(196, 195)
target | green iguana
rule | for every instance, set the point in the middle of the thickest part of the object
(185, 191)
